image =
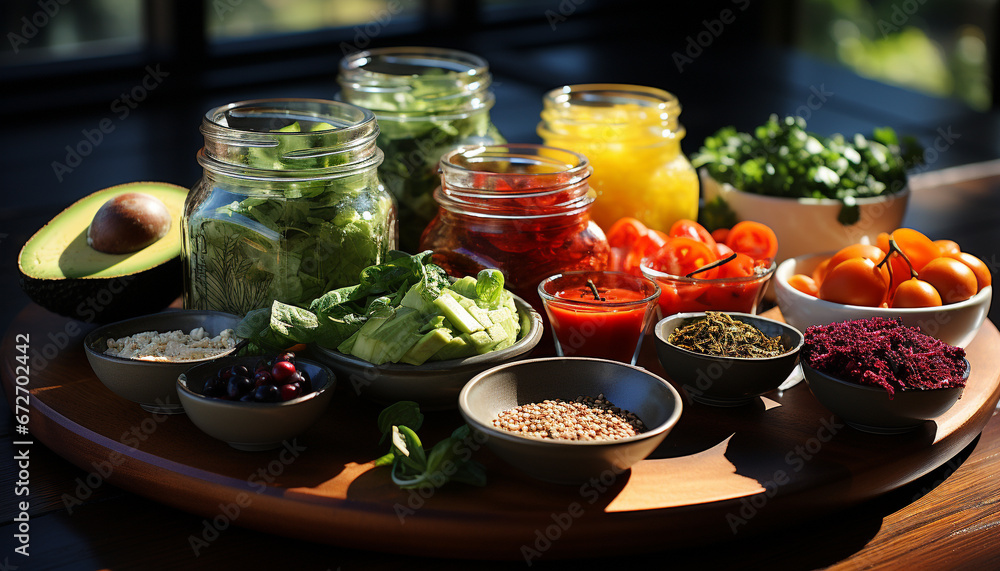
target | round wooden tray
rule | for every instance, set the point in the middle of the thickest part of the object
(720, 473)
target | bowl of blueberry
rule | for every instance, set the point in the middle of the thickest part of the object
(256, 403)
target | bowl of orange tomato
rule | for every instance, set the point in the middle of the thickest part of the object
(929, 284)
(727, 270)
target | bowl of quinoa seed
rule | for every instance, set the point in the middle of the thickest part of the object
(569, 419)
(584, 418)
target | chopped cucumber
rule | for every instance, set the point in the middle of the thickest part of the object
(427, 346)
(457, 315)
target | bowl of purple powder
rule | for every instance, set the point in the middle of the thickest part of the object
(881, 376)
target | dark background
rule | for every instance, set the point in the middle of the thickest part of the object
(732, 62)
(750, 67)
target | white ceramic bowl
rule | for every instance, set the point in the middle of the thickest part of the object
(807, 225)
(955, 324)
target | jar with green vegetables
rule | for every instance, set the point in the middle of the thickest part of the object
(289, 207)
(428, 101)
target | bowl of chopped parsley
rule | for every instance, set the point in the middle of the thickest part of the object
(881, 376)
(726, 358)
(817, 193)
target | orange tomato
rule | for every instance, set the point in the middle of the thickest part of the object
(854, 282)
(753, 239)
(919, 249)
(899, 271)
(820, 271)
(869, 251)
(882, 241)
(804, 283)
(915, 293)
(948, 247)
(952, 279)
(978, 267)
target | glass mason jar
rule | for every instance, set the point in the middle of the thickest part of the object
(523, 209)
(428, 101)
(289, 206)
(632, 137)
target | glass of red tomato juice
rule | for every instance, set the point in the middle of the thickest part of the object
(598, 313)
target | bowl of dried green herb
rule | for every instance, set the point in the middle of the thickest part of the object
(726, 358)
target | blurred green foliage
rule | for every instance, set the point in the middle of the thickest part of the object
(939, 48)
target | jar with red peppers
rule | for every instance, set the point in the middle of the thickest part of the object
(523, 209)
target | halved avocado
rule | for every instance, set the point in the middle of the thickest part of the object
(62, 273)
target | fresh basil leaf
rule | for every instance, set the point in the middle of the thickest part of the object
(386, 460)
(402, 413)
(407, 447)
(489, 288)
(253, 323)
(335, 298)
(294, 323)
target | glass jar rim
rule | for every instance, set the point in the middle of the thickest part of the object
(455, 62)
(560, 190)
(654, 275)
(602, 94)
(348, 119)
(639, 116)
(458, 81)
(575, 168)
(345, 149)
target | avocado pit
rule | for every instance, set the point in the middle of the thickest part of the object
(128, 223)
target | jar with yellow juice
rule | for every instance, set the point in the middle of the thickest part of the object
(631, 136)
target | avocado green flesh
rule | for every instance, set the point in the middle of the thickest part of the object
(61, 273)
(60, 250)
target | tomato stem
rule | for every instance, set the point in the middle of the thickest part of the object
(894, 247)
(712, 265)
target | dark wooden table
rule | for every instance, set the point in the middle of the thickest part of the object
(947, 519)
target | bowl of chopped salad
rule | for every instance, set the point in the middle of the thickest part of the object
(817, 193)
(406, 330)
(881, 376)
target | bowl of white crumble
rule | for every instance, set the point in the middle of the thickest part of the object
(139, 359)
